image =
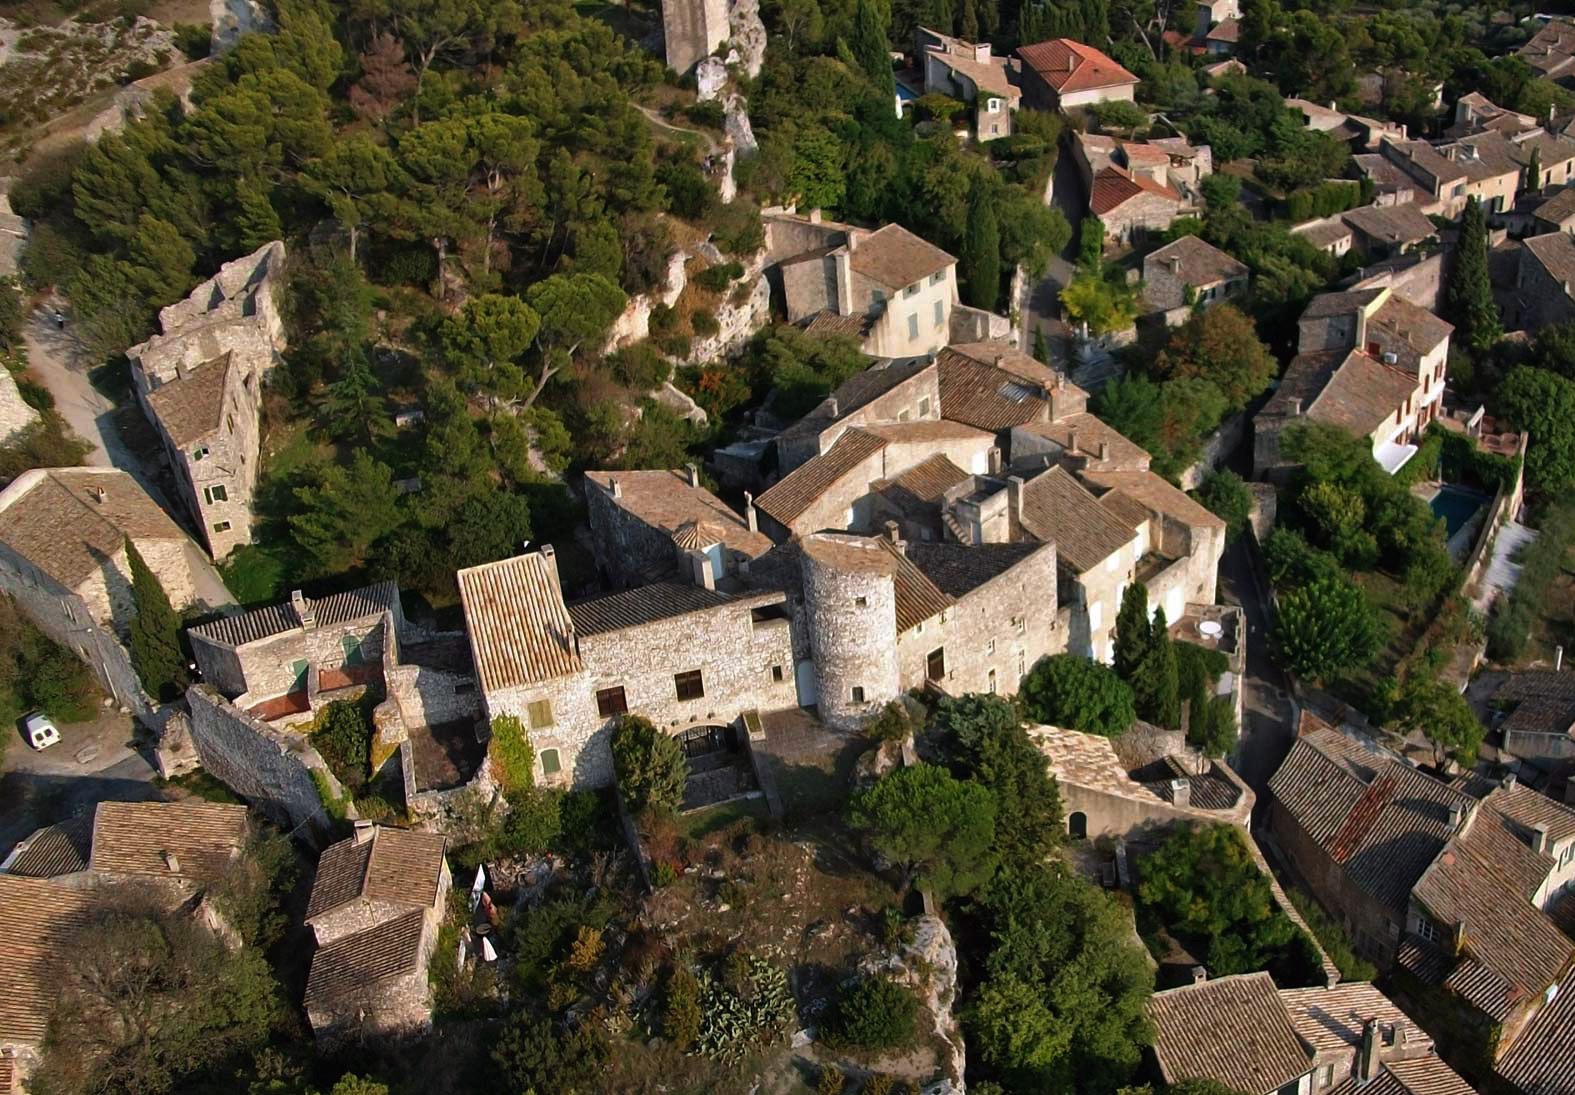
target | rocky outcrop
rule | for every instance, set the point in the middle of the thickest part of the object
(736, 323)
(15, 414)
(735, 122)
(234, 18)
(710, 78)
(748, 34)
(927, 963)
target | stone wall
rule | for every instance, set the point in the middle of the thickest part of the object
(15, 414)
(626, 548)
(361, 913)
(740, 659)
(270, 769)
(692, 29)
(852, 620)
(1374, 929)
(1421, 283)
(267, 667)
(918, 397)
(1140, 214)
(224, 460)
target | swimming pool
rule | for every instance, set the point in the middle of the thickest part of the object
(1456, 505)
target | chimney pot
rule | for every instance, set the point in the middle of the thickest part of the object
(617, 487)
(1293, 406)
(814, 216)
(1508, 781)
(749, 512)
(1539, 840)
(1200, 974)
(832, 405)
(694, 475)
(1181, 792)
(995, 460)
(1104, 450)
(894, 533)
(172, 862)
(1071, 441)
(1367, 1055)
(98, 494)
(1456, 816)
(363, 830)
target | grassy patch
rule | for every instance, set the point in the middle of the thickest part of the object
(1336, 944)
(200, 784)
(254, 575)
(702, 823)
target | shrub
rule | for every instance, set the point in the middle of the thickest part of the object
(193, 39)
(715, 279)
(1324, 628)
(1078, 694)
(640, 366)
(734, 1023)
(344, 739)
(707, 112)
(831, 1080)
(874, 1014)
(938, 829)
(512, 756)
(703, 323)
(36, 673)
(681, 1015)
(894, 722)
(649, 766)
(1225, 495)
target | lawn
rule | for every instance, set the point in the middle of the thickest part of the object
(1555, 624)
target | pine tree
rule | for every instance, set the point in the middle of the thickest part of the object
(1134, 632)
(1470, 293)
(155, 633)
(872, 50)
(981, 250)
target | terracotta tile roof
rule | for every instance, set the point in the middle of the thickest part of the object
(53, 850)
(825, 323)
(1331, 1019)
(1511, 950)
(1542, 1059)
(520, 631)
(52, 518)
(1398, 225)
(41, 919)
(789, 498)
(1072, 66)
(1195, 262)
(917, 597)
(1555, 253)
(1541, 715)
(924, 483)
(924, 430)
(1381, 820)
(666, 500)
(984, 396)
(1558, 210)
(1552, 49)
(192, 407)
(1059, 509)
(139, 838)
(644, 605)
(896, 258)
(1127, 510)
(1209, 790)
(264, 623)
(7, 1076)
(399, 866)
(1415, 326)
(1156, 495)
(1003, 355)
(1348, 389)
(353, 964)
(1233, 1030)
(1418, 1076)
(857, 392)
(959, 569)
(1226, 30)
(1088, 760)
(1090, 431)
(1114, 187)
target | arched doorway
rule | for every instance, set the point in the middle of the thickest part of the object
(1077, 825)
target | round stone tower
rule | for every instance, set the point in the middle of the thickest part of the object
(851, 607)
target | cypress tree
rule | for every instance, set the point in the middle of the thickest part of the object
(155, 633)
(1163, 676)
(1534, 169)
(872, 50)
(1470, 293)
(981, 250)
(1134, 632)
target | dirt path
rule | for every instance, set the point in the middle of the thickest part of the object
(711, 145)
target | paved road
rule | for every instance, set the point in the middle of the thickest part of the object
(1041, 308)
(57, 360)
(1268, 718)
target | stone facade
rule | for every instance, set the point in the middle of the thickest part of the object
(850, 604)
(272, 770)
(1543, 284)
(15, 414)
(692, 29)
(207, 420)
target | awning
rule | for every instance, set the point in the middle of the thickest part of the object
(1392, 456)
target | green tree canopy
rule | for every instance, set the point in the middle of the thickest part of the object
(1468, 297)
(1220, 345)
(938, 829)
(1324, 627)
(1542, 403)
(155, 633)
(649, 766)
(1433, 707)
(1078, 694)
(980, 261)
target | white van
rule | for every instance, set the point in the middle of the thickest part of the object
(40, 732)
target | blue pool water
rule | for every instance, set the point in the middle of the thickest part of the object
(1456, 505)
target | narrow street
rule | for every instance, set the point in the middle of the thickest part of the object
(1269, 713)
(1041, 305)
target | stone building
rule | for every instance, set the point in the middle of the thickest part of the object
(1169, 162)
(377, 902)
(970, 73)
(1557, 214)
(200, 383)
(692, 30)
(1190, 273)
(1132, 205)
(1102, 796)
(888, 391)
(1451, 174)
(1369, 362)
(688, 658)
(1062, 74)
(647, 525)
(268, 652)
(1356, 1033)
(1543, 281)
(63, 536)
(1539, 724)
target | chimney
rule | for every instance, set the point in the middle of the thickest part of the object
(1071, 441)
(894, 533)
(1508, 781)
(981, 52)
(98, 495)
(995, 460)
(363, 830)
(694, 475)
(1181, 792)
(1104, 451)
(1174, 262)
(172, 862)
(749, 512)
(832, 406)
(814, 216)
(1293, 407)
(303, 609)
(1014, 495)
(1539, 840)
(617, 487)
(1199, 975)
(550, 557)
(180, 370)
(1367, 1055)
(1456, 816)
(700, 564)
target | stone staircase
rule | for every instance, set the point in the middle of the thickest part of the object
(1502, 573)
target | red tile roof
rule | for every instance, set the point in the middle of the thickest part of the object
(1114, 187)
(1071, 66)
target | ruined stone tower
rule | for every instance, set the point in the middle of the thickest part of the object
(693, 29)
(851, 606)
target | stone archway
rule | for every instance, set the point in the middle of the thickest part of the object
(1077, 825)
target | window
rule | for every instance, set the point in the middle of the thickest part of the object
(989, 647)
(994, 106)
(940, 314)
(1022, 665)
(611, 701)
(215, 493)
(199, 452)
(858, 694)
(878, 296)
(1427, 929)
(550, 764)
(924, 406)
(992, 682)
(221, 526)
(351, 646)
(690, 685)
(861, 602)
(776, 673)
(539, 712)
(904, 415)
(935, 664)
(1328, 1075)
(229, 423)
(1020, 624)
(912, 290)
(937, 277)
(913, 326)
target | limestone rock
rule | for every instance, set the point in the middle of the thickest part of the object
(927, 963)
(735, 123)
(748, 34)
(710, 78)
(15, 413)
